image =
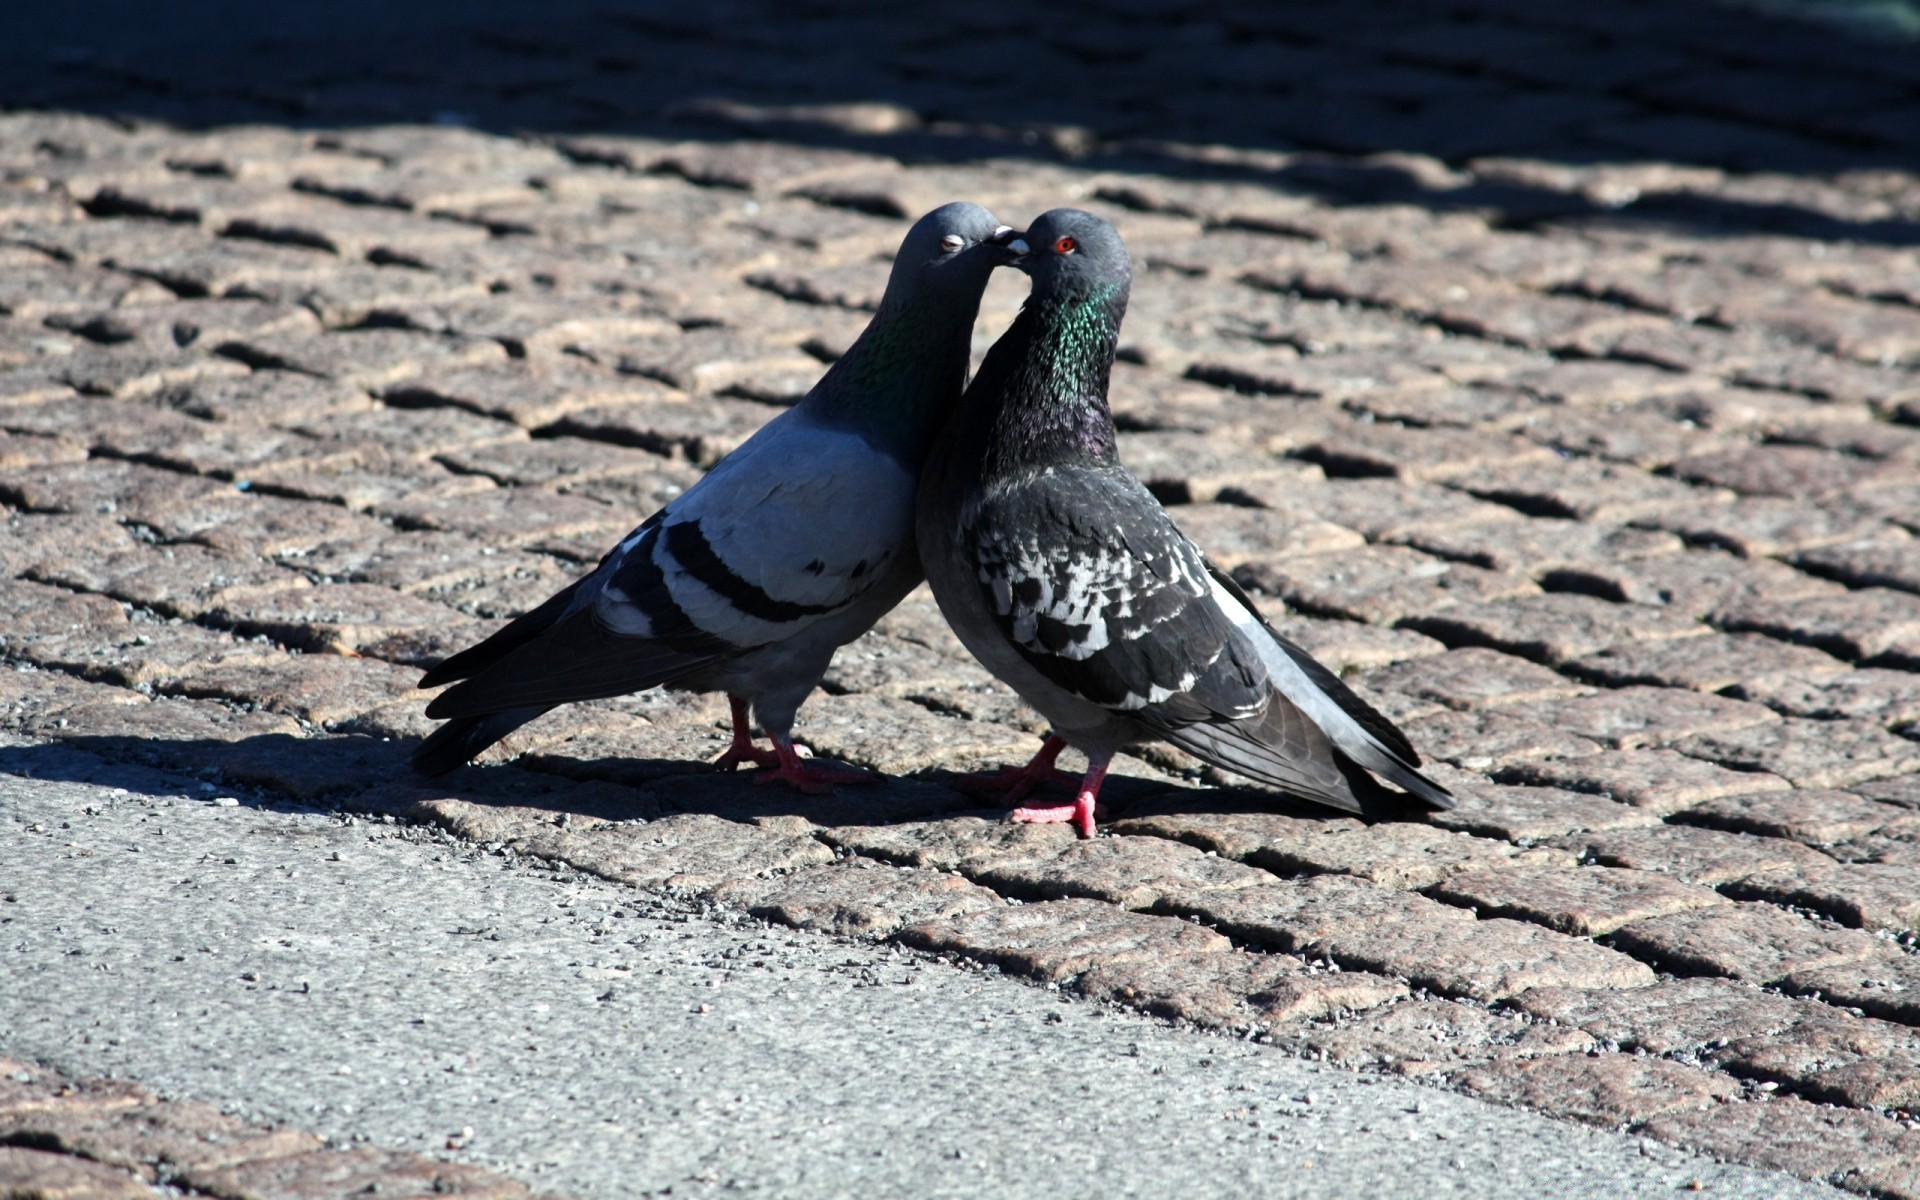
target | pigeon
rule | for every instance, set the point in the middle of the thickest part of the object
(1066, 578)
(789, 548)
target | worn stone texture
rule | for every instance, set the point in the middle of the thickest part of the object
(1609, 1090)
(1598, 477)
(1426, 1037)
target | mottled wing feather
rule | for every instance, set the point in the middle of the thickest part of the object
(1093, 586)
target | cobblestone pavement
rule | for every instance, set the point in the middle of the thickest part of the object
(1552, 370)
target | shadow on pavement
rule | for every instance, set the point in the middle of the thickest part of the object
(1505, 107)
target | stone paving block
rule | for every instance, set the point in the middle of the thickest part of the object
(1798, 472)
(1303, 916)
(1586, 902)
(1527, 814)
(1643, 439)
(531, 394)
(150, 656)
(1214, 825)
(1494, 739)
(1865, 895)
(181, 581)
(1060, 939)
(1887, 987)
(367, 358)
(1383, 510)
(1876, 563)
(167, 732)
(671, 424)
(688, 852)
(1749, 666)
(1427, 1037)
(1397, 855)
(1810, 754)
(1237, 990)
(1835, 1057)
(1473, 677)
(1584, 490)
(1693, 855)
(1190, 468)
(1763, 526)
(36, 699)
(1865, 624)
(552, 462)
(1683, 1016)
(416, 432)
(967, 844)
(1884, 697)
(857, 898)
(891, 666)
(266, 397)
(323, 689)
(1233, 535)
(365, 480)
(1904, 791)
(1488, 960)
(40, 1175)
(34, 612)
(1132, 872)
(1696, 584)
(1380, 448)
(1540, 546)
(1378, 584)
(898, 737)
(1755, 942)
(347, 1172)
(154, 1138)
(1609, 1090)
(350, 618)
(510, 516)
(1634, 718)
(1815, 818)
(1554, 628)
(1348, 645)
(18, 452)
(1787, 1134)
(1652, 781)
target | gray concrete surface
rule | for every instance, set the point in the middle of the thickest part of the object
(379, 982)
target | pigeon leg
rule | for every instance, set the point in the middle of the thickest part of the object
(815, 779)
(1083, 809)
(743, 750)
(1016, 782)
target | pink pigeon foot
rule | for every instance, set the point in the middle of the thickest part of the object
(743, 750)
(1017, 782)
(1080, 814)
(802, 775)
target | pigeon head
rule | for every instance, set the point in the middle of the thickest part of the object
(1073, 253)
(951, 250)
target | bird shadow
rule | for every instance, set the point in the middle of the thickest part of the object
(281, 772)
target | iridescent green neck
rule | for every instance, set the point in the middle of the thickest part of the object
(902, 375)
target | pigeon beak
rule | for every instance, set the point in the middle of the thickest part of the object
(1011, 244)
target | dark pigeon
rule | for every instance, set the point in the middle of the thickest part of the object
(1068, 580)
(791, 547)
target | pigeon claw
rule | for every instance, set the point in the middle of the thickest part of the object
(745, 752)
(806, 775)
(1080, 814)
(1018, 782)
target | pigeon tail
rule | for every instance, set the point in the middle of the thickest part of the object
(459, 740)
(515, 634)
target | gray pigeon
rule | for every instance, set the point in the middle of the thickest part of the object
(791, 547)
(1066, 578)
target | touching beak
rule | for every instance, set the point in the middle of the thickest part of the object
(1012, 244)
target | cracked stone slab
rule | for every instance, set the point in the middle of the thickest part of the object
(1865, 895)
(1061, 939)
(1586, 902)
(1474, 677)
(1812, 1141)
(1633, 718)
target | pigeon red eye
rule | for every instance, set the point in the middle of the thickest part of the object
(1065, 245)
